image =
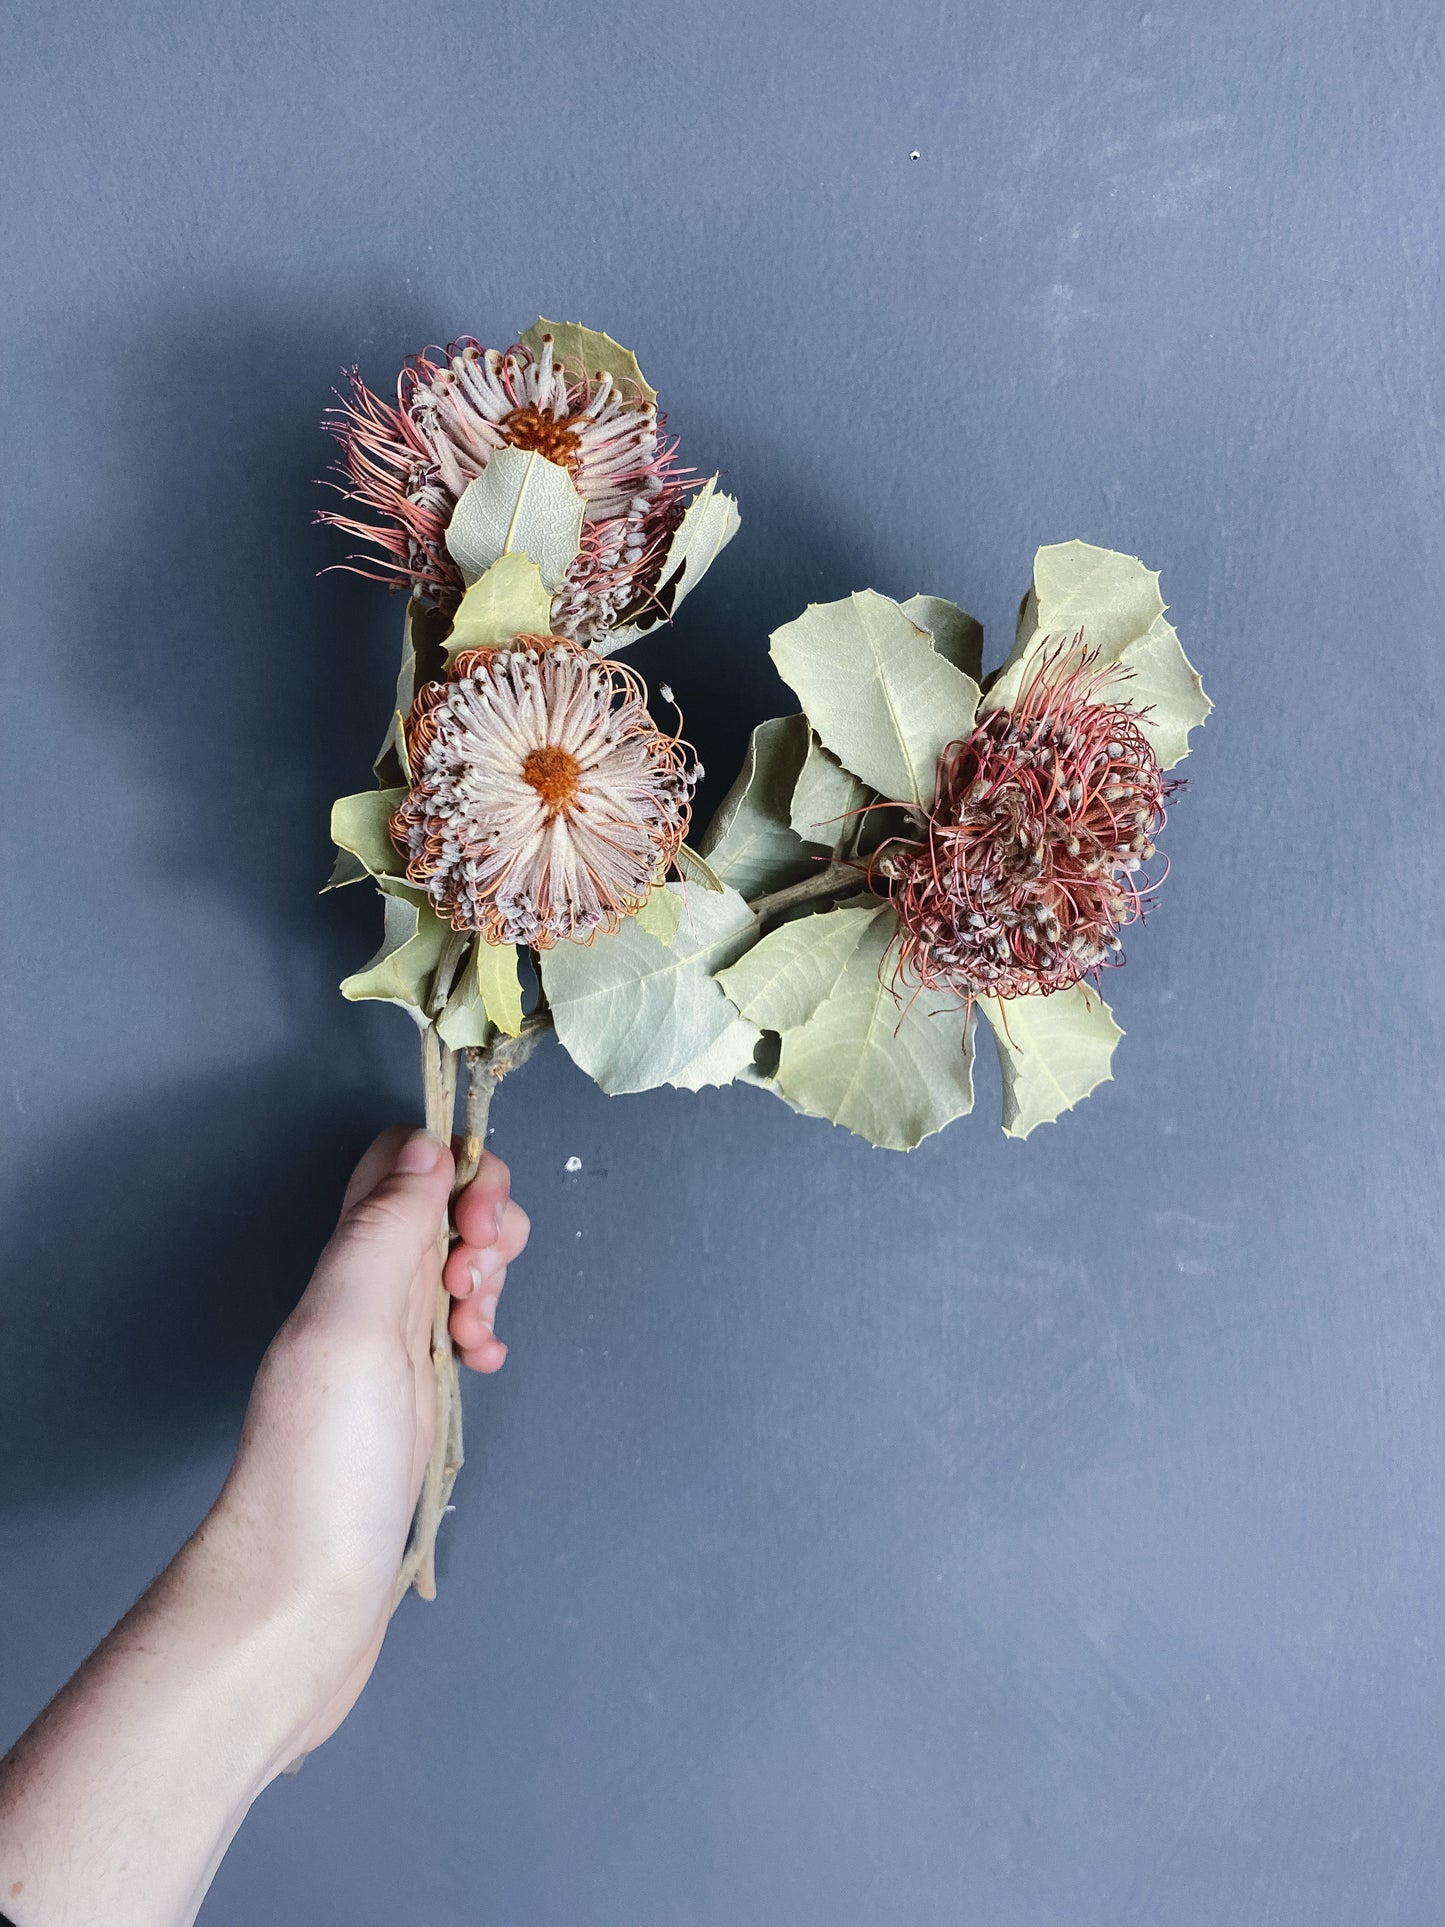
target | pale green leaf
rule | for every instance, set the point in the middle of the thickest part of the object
(782, 980)
(488, 995)
(892, 1071)
(500, 987)
(1113, 602)
(506, 601)
(360, 827)
(694, 869)
(634, 1014)
(724, 1060)
(826, 800)
(1111, 596)
(661, 913)
(346, 869)
(1052, 1052)
(877, 692)
(957, 636)
(1166, 686)
(750, 843)
(710, 523)
(583, 351)
(464, 1023)
(520, 504)
(402, 970)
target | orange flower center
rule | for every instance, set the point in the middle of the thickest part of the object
(554, 774)
(536, 429)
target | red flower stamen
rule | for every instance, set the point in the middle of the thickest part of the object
(1031, 860)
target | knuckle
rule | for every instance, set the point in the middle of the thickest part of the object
(382, 1218)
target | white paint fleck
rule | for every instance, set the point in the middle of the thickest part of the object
(573, 1164)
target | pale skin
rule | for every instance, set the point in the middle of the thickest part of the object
(255, 1642)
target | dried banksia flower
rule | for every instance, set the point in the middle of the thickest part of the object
(410, 465)
(544, 800)
(1032, 858)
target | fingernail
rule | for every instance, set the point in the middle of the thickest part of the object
(501, 1213)
(418, 1154)
(489, 1310)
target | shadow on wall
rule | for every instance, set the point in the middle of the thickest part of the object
(245, 694)
(146, 1284)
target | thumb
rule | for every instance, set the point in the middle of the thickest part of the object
(384, 1236)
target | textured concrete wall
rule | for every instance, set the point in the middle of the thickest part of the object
(1036, 1534)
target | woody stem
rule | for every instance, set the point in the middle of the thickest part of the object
(825, 883)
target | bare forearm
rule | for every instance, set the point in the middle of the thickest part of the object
(120, 1800)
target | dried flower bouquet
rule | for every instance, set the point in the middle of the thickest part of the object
(918, 845)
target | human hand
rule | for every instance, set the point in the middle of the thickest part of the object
(339, 1427)
(252, 1646)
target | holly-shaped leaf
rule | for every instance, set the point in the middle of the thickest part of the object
(877, 692)
(634, 1014)
(1052, 1052)
(724, 1060)
(957, 636)
(401, 971)
(583, 351)
(892, 1071)
(1114, 602)
(520, 504)
(750, 842)
(506, 601)
(346, 869)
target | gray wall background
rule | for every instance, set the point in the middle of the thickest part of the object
(1038, 1534)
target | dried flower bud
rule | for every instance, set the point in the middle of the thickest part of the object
(545, 801)
(1032, 858)
(411, 464)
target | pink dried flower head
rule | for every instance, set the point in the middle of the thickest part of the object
(544, 800)
(1031, 860)
(410, 465)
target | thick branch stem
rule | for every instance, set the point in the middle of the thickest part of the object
(826, 883)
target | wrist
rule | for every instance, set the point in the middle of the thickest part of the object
(255, 1642)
